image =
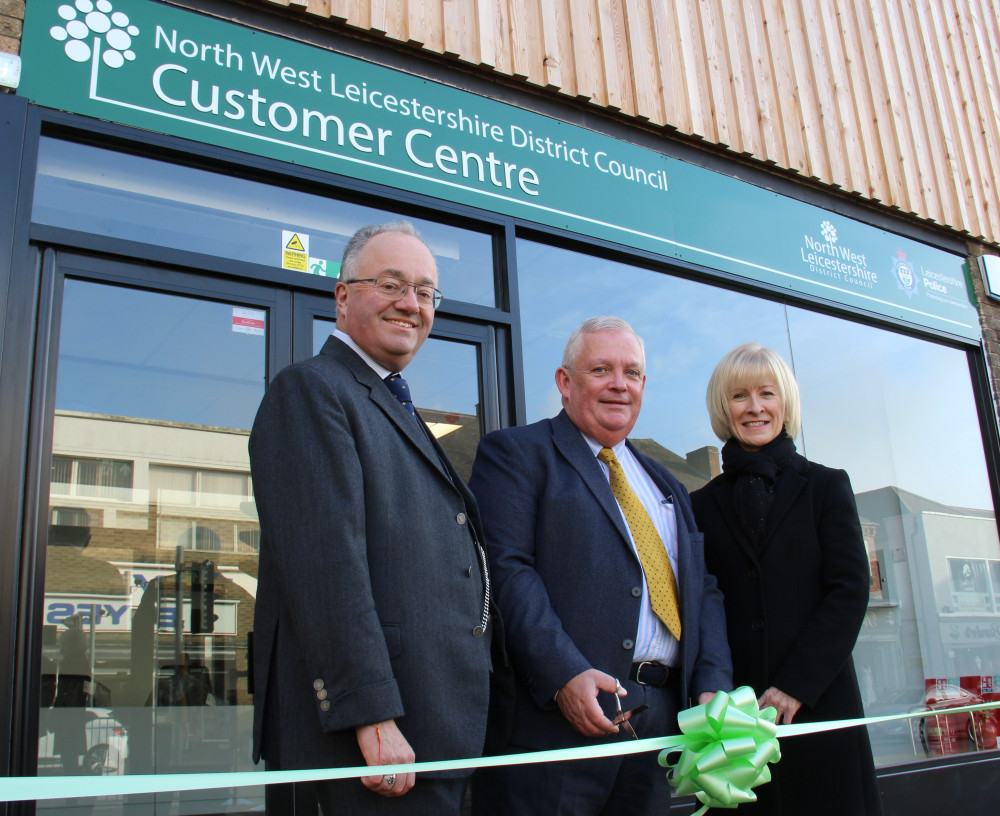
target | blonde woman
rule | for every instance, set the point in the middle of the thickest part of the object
(783, 538)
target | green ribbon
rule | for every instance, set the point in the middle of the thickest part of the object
(718, 769)
(732, 743)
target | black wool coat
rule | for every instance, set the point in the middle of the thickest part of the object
(794, 608)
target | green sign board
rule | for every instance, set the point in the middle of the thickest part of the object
(174, 71)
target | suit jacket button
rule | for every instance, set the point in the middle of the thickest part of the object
(636, 592)
(321, 694)
(757, 626)
(628, 644)
(324, 706)
(460, 518)
(468, 572)
(318, 684)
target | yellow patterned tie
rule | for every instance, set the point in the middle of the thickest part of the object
(652, 554)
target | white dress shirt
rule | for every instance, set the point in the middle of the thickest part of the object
(653, 640)
(381, 370)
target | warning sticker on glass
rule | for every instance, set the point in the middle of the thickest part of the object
(294, 251)
(248, 321)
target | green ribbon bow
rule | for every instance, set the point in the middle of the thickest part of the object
(731, 744)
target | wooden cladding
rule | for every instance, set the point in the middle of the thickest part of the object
(896, 101)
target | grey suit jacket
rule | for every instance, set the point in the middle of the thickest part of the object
(565, 574)
(370, 585)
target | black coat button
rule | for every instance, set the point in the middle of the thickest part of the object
(628, 644)
(636, 592)
(757, 626)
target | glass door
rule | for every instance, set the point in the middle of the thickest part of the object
(151, 556)
(150, 563)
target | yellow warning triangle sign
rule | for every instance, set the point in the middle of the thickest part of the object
(295, 244)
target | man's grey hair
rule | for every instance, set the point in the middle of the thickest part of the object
(360, 239)
(592, 326)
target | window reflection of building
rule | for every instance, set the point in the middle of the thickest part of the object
(204, 506)
(73, 476)
(970, 585)
(940, 620)
(876, 588)
(201, 509)
(187, 486)
(458, 434)
(694, 470)
(82, 592)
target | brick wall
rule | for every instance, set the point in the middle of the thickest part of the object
(989, 319)
(11, 25)
(11, 22)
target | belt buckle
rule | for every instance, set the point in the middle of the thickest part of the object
(638, 672)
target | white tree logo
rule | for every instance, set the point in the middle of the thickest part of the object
(829, 232)
(84, 18)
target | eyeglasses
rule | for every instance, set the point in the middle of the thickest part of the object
(395, 289)
(620, 716)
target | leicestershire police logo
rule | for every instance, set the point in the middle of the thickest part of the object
(906, 278)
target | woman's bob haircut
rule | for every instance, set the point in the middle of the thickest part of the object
(746, 365)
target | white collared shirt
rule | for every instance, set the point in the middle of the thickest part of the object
(381, 370)
(653, 640)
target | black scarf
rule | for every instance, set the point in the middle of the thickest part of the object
(755, 473)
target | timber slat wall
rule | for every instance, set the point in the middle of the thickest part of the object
(896, 101)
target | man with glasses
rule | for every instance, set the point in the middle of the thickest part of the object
(372, 631)
(599, 573)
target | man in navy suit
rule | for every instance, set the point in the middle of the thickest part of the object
(371, 630)
(591, 609)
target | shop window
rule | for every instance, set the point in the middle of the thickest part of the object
(74, 476)
(70, 517)
(969, 586)
(179, 485)
(200, 510)
(896, 412)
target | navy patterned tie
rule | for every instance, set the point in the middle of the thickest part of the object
(401, 391)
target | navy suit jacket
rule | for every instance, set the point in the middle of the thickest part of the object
(370, 583)
(565, 574)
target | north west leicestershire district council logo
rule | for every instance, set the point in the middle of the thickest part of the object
(85, 22)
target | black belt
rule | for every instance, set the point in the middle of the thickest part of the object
(649, 673)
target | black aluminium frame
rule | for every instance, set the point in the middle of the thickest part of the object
(29, 301)
(19, 279)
